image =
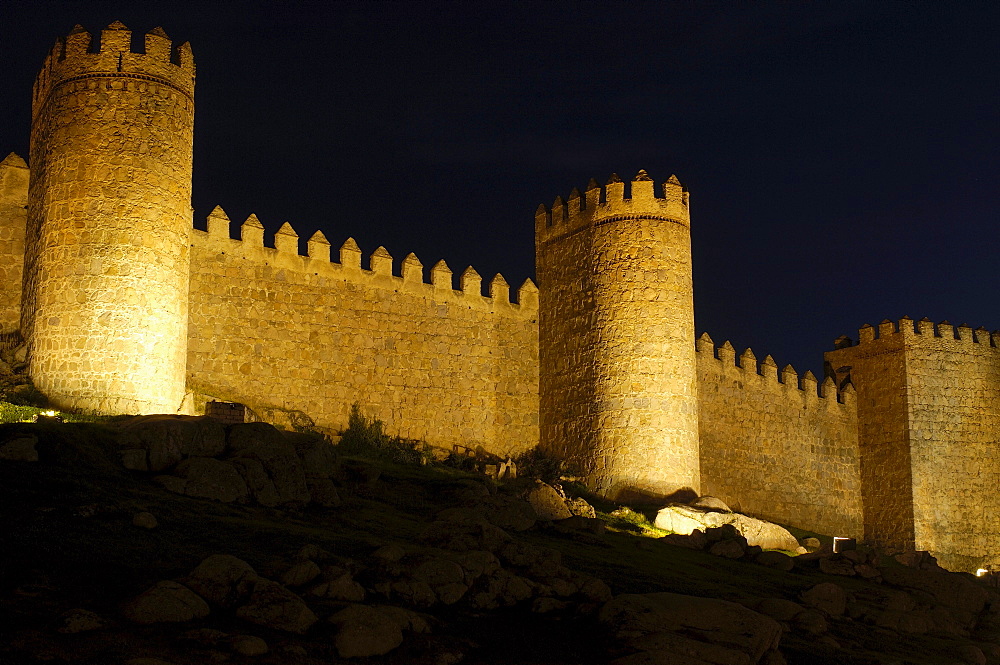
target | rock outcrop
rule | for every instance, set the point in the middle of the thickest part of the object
(247, 462)
(683, 519)
(671, 628)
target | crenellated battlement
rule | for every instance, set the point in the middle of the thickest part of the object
(758, 423)
(112, 63)
(382, 271)
(599, 205)
(596, 251)
(906, 330)
(127, 309)
(765, 373)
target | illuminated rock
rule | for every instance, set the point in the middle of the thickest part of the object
(685, 519)
(107, 242)
(547, 503)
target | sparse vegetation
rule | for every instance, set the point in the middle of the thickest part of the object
(11, 412)
(366, 437)
(537, 463)
(625, 518)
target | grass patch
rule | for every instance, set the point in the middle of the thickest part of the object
(24, 413)
(627, 519)
(13, 413)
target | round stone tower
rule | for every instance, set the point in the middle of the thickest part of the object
(109, 217)
(618, 387)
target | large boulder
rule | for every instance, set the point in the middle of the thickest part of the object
(301, 573)
(507, 512)
(779, 609)
(318, 455)
(501, 588)
(462, 530)
(209, 478)
(837, 564)
(166, 602)
(248, 645)
(579, 507)
(364, 631)
(764, 534)
(79, 620)
(949, 589)
(684, 519)
(323, 492)
(337, 584)
(477, 563)
(547, 503)
(828, 597)
(776, 560)
(20, 448)
(446, 578)
(729, 549)
(657, 625)
(168, 439)
(259, 484)
(223, 580)
(274, 606)
(264, 443)
(710, 503)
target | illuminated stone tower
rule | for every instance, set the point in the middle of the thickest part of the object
(616, 337)
(109, 216)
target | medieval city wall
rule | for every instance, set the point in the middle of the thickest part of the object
(109, 215)
(568, 421)
(13, 219)
(877, 369)
(952, 391)
(780, 450)
(617, 336)
(282, 332)
(954, 439)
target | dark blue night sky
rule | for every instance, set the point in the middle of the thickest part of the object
(842, 157)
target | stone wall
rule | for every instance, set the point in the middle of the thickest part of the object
(778, 450)
(878, 371)
(282, 332)
(13, 216)
(617, 337)
(109, 215)
(938, 416)
(566, 341)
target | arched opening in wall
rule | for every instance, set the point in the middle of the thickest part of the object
(226, 412)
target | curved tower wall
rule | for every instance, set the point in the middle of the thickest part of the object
(617, 349)
(109, 218)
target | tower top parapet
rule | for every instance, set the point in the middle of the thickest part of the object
(78, 56)
(603, 204)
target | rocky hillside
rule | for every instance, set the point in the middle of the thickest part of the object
(173, 540)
